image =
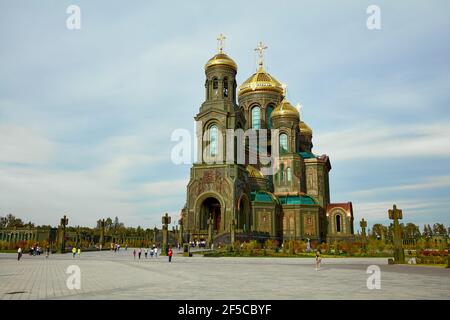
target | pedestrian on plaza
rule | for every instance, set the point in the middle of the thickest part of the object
(145, 252)
(126, 246)
(19, 253)
(74, 251)
(48, 252)
(169, 253)
(156, 252)
(151, 253)
(318, 260)
(79, 251)
(140, 252)
(134, 254)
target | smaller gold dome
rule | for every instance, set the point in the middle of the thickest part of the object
(285, 109)
(305, 129)
(253, 172)
(221, 59)
(260, 81)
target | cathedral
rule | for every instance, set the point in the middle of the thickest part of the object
(235, 200)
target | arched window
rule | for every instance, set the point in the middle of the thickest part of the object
(213, 140)
(283, 143)
(215, 83)
(289, 174)
(256, 118)
(225, 87)
(338, 223)
(281, 173)
(269, 121)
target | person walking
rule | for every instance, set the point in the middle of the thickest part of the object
(79, 252)
(318, 260)
(145, 253)
(19, 253)
(48, 252)
(156, 252)
(74, 251)
(140, 252)
(169, 253)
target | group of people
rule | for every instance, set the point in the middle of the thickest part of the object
(76, 251)
(34, 251)
(196, 243)
(152, 251)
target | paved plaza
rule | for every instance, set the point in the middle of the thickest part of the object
(109, 275)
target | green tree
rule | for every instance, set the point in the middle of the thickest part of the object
(427, 232)
(377, 231)
(412, 231)
(10, 221)
(439, 229)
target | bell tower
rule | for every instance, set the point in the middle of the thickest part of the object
(220, 83)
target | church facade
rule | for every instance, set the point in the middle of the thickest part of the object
(237, 200)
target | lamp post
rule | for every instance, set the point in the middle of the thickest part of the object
(64, 222)
(166, 219)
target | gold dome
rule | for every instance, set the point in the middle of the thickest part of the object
(305, 129)
(285, 109)
(221, 59)
(253, 172)
(260, 81)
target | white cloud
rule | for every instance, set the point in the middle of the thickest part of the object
(427, 183)
(377, 141)
(23, 145)
(417, 210)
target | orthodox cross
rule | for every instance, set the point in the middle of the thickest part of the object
(363, 225)
(166, 220)
(284, 87)
(221, 42)
(299, 107)
(395, 214)
(260, 48)
(64, 221)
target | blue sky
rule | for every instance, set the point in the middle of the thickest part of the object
(86, 115)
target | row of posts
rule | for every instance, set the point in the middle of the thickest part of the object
(394, 214)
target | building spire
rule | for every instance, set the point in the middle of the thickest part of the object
(284, 87)
(299, 107)
(220, 42)
(260, 48)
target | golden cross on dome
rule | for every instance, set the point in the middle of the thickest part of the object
(299, 107)
(284, 87)
(221, 42)
(260, 48)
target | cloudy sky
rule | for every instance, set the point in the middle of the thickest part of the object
(86, 115)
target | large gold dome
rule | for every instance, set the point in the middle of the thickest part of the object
(221, 59)
(285, 109)
(305, 129)
(260, 81)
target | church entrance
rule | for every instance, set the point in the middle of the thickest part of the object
(210, 208)
(243, 222)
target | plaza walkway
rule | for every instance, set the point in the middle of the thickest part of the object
(108, 275)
